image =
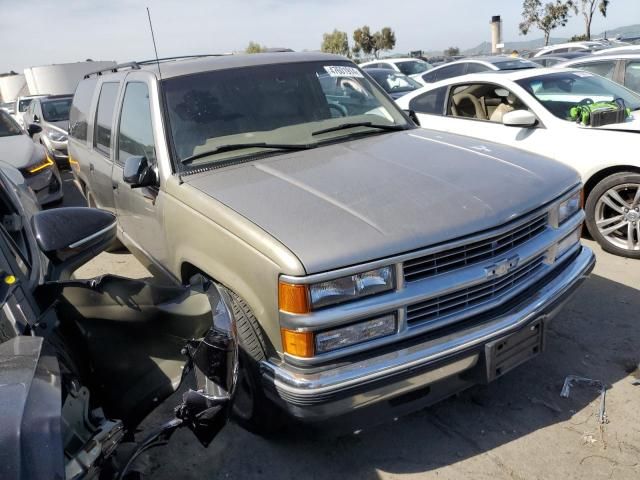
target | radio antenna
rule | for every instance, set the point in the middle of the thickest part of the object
(153, 37)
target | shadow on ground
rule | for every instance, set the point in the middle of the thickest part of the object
(595, 336)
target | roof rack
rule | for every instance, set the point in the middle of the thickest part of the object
(136, 65)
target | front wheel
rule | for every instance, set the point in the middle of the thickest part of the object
(251, 408)
(613, 214)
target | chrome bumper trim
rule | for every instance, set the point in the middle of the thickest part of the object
(310, 385)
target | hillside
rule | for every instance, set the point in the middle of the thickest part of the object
(485, 47)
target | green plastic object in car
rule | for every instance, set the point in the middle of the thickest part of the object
(599, 113)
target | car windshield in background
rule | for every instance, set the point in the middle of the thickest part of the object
(56, 110)
(291, 105)
(559, 92)
(394, 82)
(8, 126)
(413, 67)
(515, 64)
(24, 104)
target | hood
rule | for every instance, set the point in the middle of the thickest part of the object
(386, 194)
(19, 151)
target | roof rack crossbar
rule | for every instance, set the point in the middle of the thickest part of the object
(166, 59)
(114, 69)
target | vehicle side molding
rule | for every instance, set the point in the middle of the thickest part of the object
(138, 173)
(519, 118)
(72, 236)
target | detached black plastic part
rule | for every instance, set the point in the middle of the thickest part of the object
(72, 236)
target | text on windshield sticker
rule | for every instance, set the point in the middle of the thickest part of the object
(343, 71)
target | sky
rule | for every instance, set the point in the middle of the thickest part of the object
(42, 32)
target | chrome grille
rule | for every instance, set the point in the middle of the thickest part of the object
(466, 298)
(472, 253)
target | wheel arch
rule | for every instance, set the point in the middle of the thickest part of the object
(600, 175)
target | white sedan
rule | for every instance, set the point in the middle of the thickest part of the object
(532, 110)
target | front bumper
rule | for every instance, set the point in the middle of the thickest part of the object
(429, 368)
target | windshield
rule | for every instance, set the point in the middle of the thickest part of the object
(8, 126)
(393, 82)
(282, 104)
(413, 67)
(24, 104)
(515, 64)
(56, 110)
(559, 92)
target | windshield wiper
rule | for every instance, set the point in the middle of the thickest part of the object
(344, 126)
(241, 146)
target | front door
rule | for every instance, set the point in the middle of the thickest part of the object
(139, 210)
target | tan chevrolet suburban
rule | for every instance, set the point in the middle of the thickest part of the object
(374, 267)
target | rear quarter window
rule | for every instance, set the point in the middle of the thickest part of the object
(80, 109)
(430, 102)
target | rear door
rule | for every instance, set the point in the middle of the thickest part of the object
(139, 210)
(100, 156)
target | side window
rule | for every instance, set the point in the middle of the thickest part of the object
(482, 102)
(476, 68)
(135, 132)
(104, 117)
(430, 103)
(430, 77)
(632, 76)
(80, 109)
(451, 71)
(604, 69)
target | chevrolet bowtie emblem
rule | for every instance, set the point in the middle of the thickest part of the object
(501, 268)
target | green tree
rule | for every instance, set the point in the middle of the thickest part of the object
(335, 42)
(588, 10)
(546, 17)
(254, 47)
(578, 38)
(362, 41)
(452, 52)
(385, 39)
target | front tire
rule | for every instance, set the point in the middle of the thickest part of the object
(613, 214)
(251, 408)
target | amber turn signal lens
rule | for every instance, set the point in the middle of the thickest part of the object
(293, 298)
(295, 343)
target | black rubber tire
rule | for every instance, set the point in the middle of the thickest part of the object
(590, 211)
(252, 409)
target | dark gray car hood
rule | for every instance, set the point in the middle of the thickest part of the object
(18, 150)
(386, 194)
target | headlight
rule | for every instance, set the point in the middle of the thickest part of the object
(569, 241)
(38, 167)
(570, 206)
(308, 344)
(295, 298)
(57, 136)
(356, 333)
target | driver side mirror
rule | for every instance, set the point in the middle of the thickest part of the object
(412, 115)
(138, 173)
(519, 118)
(71, 236)
(33, 129)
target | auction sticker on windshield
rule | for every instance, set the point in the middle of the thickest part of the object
(337, 71)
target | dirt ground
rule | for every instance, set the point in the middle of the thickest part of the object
(516, 428)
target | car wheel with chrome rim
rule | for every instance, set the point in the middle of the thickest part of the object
(613, 214)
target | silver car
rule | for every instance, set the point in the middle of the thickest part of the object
(38, 168)
(371, 266)
(52, 115)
